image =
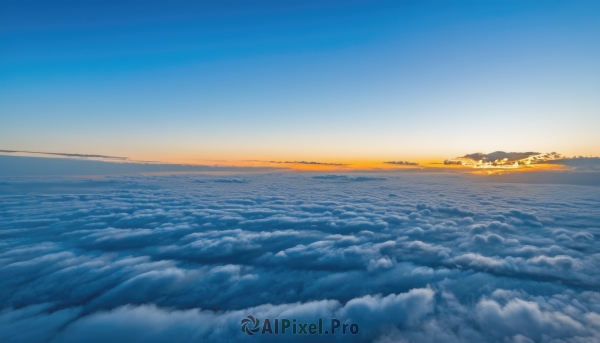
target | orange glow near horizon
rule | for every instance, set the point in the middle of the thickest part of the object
(370, 165)
(320, 166)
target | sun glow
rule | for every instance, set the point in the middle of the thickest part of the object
(497, 160)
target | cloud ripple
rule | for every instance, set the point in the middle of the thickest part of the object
(415, 258)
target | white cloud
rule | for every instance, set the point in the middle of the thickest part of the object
(187, 256)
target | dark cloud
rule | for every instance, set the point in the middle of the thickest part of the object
(348, 178)
(402, 163)
(304, 162)
(229, 180)
(505, 160)
(65, 154)
(186, 257)
(312, 162)
(499, 155)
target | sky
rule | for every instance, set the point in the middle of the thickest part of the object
(329, 81)
(427, 170)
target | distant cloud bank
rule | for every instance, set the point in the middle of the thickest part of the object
(347, 178)
(406, 163)
(63, 154)
(303, 162)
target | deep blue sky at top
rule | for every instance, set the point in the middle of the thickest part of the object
(335, 80)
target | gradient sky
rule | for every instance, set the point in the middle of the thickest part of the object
(331, 81)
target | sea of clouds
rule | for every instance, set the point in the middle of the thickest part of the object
(410, 258)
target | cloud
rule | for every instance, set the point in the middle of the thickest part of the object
(590, 178)
(402, 163)
(312, 162)
(500, 155)
(185, 257)
(348, 178)
(17, 166)
(229, 180)
(148, 323)
(504, 160)
(525, 319)
(65, 154)
(303, 162)
(580, 163)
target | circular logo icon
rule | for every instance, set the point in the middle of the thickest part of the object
(250, 325)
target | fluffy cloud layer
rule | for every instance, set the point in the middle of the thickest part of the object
(412, 258)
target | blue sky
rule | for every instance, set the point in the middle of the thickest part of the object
(96, 250)
(312, 80)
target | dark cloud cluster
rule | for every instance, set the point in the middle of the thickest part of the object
(334, 177)
(501, 159)
(64, 154)
(499, 155)
(406, 163)
(313, 162)
(410, 258)
(303, 162)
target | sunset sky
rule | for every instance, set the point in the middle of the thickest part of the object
(328, 81)
(191, 171)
